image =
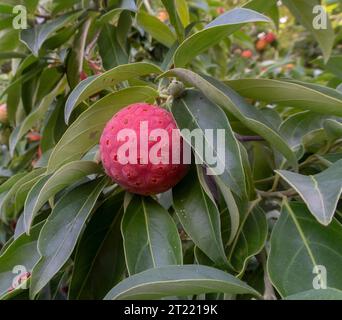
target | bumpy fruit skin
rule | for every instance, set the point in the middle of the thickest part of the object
(144, 179)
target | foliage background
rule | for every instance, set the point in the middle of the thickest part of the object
(257, 231)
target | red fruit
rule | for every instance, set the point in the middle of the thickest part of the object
(142, 174)
(247, 54)
(261, 44)
(33, 136)
(83, 75)
(3, 114)
(270, 37)
(220, 10)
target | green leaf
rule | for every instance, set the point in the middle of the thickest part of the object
(199, 217)
(229, 100)
(35, 37)
(114, 14)
(7, 203)
(99, 261)
(298, 244)
(93, 84)
(171, 8)
(214, 32)
(21, 252)
(49, 185)
(333, 129)
(59, 234)
(334, 65)
(194, 111)
(320, 192)
(150, 236)
(183, 12)
(294, 94)
(295, 127)
(157, 29)
(111, 52)
(306, 15)
(85, 132)
(177, 281)
(38, 114)
(251, 239)
(11, 55)
(74, 63)
(317, 294)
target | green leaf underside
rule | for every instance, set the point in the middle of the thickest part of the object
(214, 32)
(177, 280)
(320, 192)
(292, 94)
(93, 84)
(49, 185)
(298, 244)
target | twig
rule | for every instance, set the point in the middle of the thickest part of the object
(277, 194)
(269, 293)
(249, 138)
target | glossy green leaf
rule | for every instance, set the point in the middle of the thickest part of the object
(317, 294)
(171, 6)
(74, 63)
(87, 128)
(38, 114)
(229, 100)
(214, 32)
(93, 84)
(99, 261)
(177, 280)
(150, 236)
(111, 52)
(49, 185)
(7, 204)
(298, 245)
(157, 29)
(199, 217)
(113, 15)
(34, 38)
(251, 239)
(305, 12)
(293, 94)
(59, 234)
(21, 252)
(183, 12)
(295, 127)
(320, 192)
(194, 111)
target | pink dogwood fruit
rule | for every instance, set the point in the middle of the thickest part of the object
(141, 149)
